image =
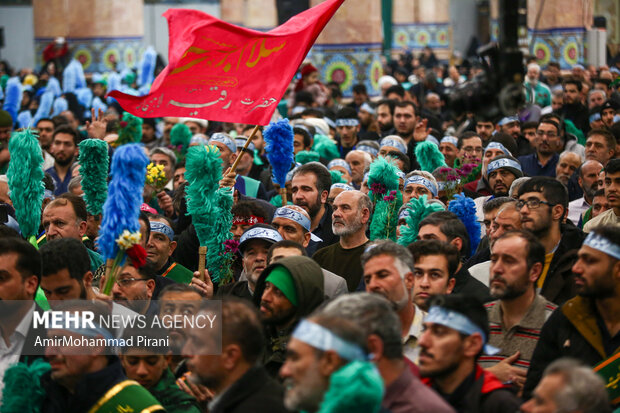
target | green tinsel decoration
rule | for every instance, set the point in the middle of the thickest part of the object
(277, 201)
(418, 210)
(337, 177)
(383, 182)
(180, 136)
(429, 157)
(130, 130)
(303, 157)
(22, 391)
(326, 147)
(25, 176)
(94, 163)
(210, 206)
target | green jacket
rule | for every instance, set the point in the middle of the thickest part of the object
(171, 397)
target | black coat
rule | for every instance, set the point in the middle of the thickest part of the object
(254, 392)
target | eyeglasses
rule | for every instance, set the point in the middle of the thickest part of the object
(532, 204)
(126, 282)
(550, 135)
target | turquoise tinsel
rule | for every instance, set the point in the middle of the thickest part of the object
(303, 157)
(326, 147)
(418, 209)
(94, 162)
(428, 156)
(355, 387)
(122, 208)
(180, 135)
(337, 177)
(25, 176)
(384, 183)
(22, 391)
(209, 206)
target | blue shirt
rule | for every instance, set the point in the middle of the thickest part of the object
(60, 186)
(532, 167)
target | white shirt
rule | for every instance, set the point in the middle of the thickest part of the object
(576, 209)
(411, 349)
(9, 354)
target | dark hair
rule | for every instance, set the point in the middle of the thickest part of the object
(529, 125)
(452, 227)
(286, 244)
(65, 253)
(434, 247)
(76, 202)
(495, 203)
(145, 218)
(65, 128)
(572, 81)
(313, 112)
(599, 192)
(177, 288)
(506, 140)
(401, 157)
(612, 166)
(303, 132)
(44, 120)
(342, 328)
(553, 64)
(360, 88)
(553, 190)
(303, 96)
(247, 209)
(554, 120)
(610, 139)
(6, 231)
(466, 135)
(148, 271)
(467, 305)
(48, 182)
(241, 325)
(612, 233)
(397, 89)
(323, 177)
(28, 258)
(535, 252)
(389, 103)
(59, 120)
(404, 104)
(346, 113)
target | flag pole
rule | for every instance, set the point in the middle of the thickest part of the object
(245, 146)
(202, 255)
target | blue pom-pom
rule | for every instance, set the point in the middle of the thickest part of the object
(279, 147)
(465, 209)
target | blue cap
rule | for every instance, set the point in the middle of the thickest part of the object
(266, 234)
(225, 139)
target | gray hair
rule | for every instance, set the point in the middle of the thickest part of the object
(516, 184)
(365, 155)
(583, 390)
(375, 315)
(364, 202)
(495, 203)
(402, 257)
(167, 152)
(74, 183)
(566, 153)
(593, 91)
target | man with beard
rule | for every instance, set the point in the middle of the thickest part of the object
(134, 288)
(501, 173)
(404, 392)
(600, 146)
(585, 327)
(611, 217)
(542, 204)
(348, 127)
(385, 113)
(358, 161)
(286, 291)
(547, 143)
(573, 109)
(484, 128)
(455, 336)
(518, 312)
(20, 273)
(388, 271)
(568, 163)
(238, 382)
(310, 188)
(608, 112)
(159, 250)
(64, 149)
(536, 92)
(588, 181)
(352, 210)
(65, 217)
(45, 127)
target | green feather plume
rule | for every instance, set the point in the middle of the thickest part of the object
(180, 136)
(130, 130)
(337, 177)
(25, 176)
(383, 182)
(303, 157)
(210, 206)
(277, 201)
(23, 392)
(418, 209)
(326, 147)
(94, 162)
(428, 156)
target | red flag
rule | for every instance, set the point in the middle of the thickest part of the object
(222, 72)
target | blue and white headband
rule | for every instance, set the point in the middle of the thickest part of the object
(329, 122)
(431, 138)
(347, 122)
(240, 142)
(503, 163)
(450, 139)
(404, 214)
(420, 180)
(366, 107)
(368, 149)
(298, 217)
(508, 119)
(199, 139)
(47, 194)
(400, 174)
(225, 139)
(162, 228)
(458, 322)
(497, 145)
(393, 143)
(322, 339)
(339, 162)
(261, 233)
(594, 117)
(598, 242)
(342, 186)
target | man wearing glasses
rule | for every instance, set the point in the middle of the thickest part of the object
(542, 204)
(547, 143)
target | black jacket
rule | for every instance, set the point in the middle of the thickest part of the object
(254, 392)
(559, 285)
(324, 230)
(308, 278)
(466, 284)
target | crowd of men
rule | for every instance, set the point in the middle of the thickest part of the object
(317, 317)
